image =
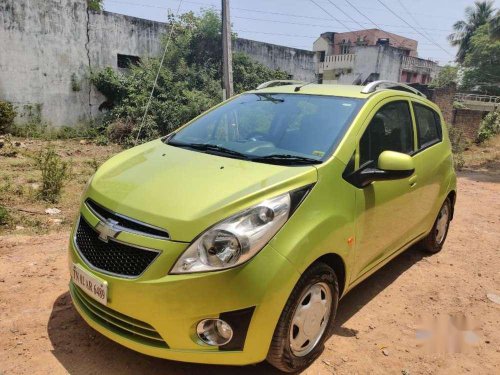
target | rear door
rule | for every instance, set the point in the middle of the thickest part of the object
(430, 162)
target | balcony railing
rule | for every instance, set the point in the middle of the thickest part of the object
(477, 98)
(337, 62)
(414, 63)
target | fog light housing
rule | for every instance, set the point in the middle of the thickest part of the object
(214, 332)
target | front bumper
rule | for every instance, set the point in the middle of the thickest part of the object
(156, 313)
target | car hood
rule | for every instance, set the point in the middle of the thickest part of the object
(185, 191)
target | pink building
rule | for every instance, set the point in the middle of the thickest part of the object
(364, 55)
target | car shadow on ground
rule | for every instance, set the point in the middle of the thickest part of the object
(81, 350)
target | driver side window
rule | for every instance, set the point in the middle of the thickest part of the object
(390, 129)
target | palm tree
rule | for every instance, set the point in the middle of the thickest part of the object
(475, 16)
(495, 26)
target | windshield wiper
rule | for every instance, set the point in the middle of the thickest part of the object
(209, 147)
(286, 159)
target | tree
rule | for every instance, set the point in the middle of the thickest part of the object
(476, 16)
(495, 26)
(482, 63)
(446, 77)
(189, 81)
(96, 5)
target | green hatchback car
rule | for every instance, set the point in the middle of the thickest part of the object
(232, 240)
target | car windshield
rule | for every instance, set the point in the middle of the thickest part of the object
(271, 128)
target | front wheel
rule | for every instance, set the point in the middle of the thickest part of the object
(306, 321)
(434, 241)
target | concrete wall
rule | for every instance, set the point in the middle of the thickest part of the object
(48, 45)
(41, 46)
(384, 61)
(298, 63)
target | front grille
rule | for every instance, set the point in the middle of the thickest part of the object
(126, 223)
(116, 322)
(112, 256)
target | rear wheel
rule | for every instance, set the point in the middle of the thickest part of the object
(434, 241)
(306, 321)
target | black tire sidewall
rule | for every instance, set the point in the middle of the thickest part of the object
(432, 245)
(289, 362)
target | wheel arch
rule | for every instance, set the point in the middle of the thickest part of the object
(453, 197)
(336, 262)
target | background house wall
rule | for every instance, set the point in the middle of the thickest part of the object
(48, 48)
(298, 63)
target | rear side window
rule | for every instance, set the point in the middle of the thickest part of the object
(428, 125)
(390, 130)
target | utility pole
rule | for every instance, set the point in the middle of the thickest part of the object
(227, 56)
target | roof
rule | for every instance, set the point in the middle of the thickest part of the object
(348, 91)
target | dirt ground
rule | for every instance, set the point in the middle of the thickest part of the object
(377, 327)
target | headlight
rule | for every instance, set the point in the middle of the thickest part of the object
(236, 239)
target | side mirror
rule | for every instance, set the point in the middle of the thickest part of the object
(392, 161)
(391, 166)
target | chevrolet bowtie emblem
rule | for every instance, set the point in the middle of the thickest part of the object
(107, 229)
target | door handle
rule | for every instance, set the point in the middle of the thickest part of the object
(413, 181)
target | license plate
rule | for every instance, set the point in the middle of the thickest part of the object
(95, 288)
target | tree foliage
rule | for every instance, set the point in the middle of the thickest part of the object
(7, 116)
(489, 127)
(447, 76)
(481, 67)
(96, 5)
(188, 82)
(475, 16)
(495, 26)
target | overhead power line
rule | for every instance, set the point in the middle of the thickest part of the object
(402, 19)
(346, 14)
(364, 15)
(379, 26)
(333, 17)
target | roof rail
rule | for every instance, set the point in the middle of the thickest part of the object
(373, 86)
(278, 82)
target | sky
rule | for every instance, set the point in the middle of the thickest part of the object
(297, 23)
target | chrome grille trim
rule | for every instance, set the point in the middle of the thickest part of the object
(122, 226)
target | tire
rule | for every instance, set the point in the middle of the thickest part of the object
(434, 241)
(316, 285)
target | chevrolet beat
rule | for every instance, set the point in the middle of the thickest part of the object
(232, 240)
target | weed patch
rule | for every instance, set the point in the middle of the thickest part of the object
(55, 172)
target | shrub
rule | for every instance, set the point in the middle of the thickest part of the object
(458, 146)
(489, 127)
(4, 216)
(55, 172)
(7, 116)
(188, 82)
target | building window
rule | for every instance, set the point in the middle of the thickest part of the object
(322, 56)
(408, 77)
(383, 42)
(345, 47)
(361, 41)
(126, 61)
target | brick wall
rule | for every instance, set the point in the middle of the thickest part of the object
(443, 97)
(468, 121)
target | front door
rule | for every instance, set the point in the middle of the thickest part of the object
(384, 221)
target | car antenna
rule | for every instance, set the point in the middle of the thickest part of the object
(297, 88)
